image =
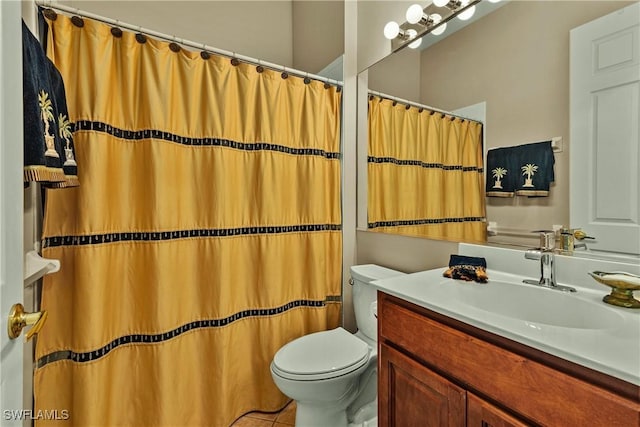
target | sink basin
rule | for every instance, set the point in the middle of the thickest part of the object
(536, 305)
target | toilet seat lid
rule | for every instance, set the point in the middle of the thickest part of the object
(325, 354)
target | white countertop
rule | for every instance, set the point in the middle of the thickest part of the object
(593, 334)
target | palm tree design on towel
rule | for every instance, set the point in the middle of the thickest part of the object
(529, 170)
(498, 173)
(46, 113)
(64, 125)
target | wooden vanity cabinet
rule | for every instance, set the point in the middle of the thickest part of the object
(437, 371)
(417, 396)
(483, 414)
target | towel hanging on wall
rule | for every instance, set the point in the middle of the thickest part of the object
(535, 172)
(49, 156)
(502, 168)
(523, 170)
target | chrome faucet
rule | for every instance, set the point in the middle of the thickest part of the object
(546, 255)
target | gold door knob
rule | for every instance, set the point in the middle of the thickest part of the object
(18, 319)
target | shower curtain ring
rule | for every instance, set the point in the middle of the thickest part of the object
(204, 54)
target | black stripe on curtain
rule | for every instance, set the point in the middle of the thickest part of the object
(97, 239)
(372, 159)
(135, 135)
(400, 223)
(157, 338)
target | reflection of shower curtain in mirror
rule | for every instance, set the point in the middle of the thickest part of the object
(206, 233)
(425, 174)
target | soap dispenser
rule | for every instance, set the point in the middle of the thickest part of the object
(566, 240)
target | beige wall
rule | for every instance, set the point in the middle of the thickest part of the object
(517, 60)
(397, 75)
(259, 29)
(318, 33)
(403, 253)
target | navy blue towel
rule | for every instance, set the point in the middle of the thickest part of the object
(48, 145)
(535, 169)
(502, 172)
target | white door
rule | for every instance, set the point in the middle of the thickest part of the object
(11, 208)
(605, 137)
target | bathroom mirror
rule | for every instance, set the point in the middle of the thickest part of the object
(515, 60)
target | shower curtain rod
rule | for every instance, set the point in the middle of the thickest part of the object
(417, 105)
(184, 42)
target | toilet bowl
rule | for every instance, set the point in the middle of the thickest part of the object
(332, 374)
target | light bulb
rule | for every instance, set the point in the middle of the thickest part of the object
(412, 34)
(414, 14)
(391, 30)
(441, 29)
(494, 1)
(440, 3)
(436, 20)
(467, 14)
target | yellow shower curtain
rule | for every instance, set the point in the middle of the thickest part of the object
(205, 234)
(425, 173)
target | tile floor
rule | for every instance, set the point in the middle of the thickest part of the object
(284, 418)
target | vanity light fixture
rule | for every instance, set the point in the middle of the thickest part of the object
(431, 19)
(412, 35)
(451, 4)
(393, 31)
(417, 15)
(454, 5)
(468, 12)
(440, 28)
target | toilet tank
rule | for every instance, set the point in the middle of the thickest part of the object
(364, 295)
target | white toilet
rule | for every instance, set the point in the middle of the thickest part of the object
(332, 374)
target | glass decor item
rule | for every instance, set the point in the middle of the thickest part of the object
(622, 284)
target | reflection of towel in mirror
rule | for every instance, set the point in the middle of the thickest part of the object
(535, 169)
(48, 147)
(502, 172)
(467, 268)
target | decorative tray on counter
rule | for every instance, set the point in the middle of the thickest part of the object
(622, 284)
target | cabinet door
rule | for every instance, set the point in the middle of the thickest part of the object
(484, 414)
(412, 395)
